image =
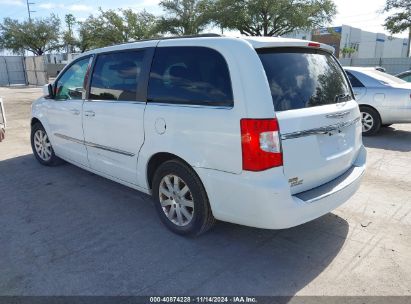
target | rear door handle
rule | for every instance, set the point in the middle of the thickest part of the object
(75, 112)
(89, 113)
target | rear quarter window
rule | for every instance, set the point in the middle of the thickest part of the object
(301, 78)
(190, 75)
(355, 82)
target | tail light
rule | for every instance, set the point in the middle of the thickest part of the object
(314, 44)
(260, 143)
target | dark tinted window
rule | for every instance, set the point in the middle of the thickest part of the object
(116, 76)
(405, 77)
(354, 81)
(301, 78)
(70, 84)
(190, 75)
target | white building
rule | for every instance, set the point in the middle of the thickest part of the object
(366, 44)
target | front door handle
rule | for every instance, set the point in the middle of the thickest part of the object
(89, 113)
(75, 112)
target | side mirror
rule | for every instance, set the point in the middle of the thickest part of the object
(48, 91)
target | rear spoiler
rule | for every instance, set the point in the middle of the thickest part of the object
(274, 42)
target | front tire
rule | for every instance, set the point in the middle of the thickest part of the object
(42, 148)
(181, 200)
(371, 121)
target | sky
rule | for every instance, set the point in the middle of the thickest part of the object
(364, 14)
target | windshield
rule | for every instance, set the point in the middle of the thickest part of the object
(301, 78)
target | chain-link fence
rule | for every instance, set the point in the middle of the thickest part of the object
(12, 70)
(35, 70)
(23, 70)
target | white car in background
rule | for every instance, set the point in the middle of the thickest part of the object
(263, 132)
(384, 99)
(406, 76)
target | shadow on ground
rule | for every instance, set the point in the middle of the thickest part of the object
(390, 138)
(64, 231)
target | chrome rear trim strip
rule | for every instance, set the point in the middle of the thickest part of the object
(338, 115)
(93, 145)
(78, 141)
(322, 130)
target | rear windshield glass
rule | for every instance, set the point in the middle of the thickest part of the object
(302, 78)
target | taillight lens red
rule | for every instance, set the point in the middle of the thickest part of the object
(313, 44)
(260, 142)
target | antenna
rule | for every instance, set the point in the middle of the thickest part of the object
(28, 9)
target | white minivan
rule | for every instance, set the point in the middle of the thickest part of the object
(263, 132)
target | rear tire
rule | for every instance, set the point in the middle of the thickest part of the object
(42, 148)
(181, 200)
(371, 121)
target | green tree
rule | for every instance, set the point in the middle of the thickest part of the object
(185, 17)
(68, 36)
(348, 51)
(86, 39)
(272, 18)
(113, 27)
(400, 20)
(37, 36)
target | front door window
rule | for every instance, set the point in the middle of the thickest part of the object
(70, 84)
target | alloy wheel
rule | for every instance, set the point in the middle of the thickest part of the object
(176, 200)
(42, 145)
(367, 121)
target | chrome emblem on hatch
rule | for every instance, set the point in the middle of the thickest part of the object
(338, 115)
(295, 181)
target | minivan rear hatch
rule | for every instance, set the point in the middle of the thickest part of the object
(319, 119)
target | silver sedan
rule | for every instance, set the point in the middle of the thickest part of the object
(383, 99)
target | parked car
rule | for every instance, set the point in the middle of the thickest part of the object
(406, 76)
(263, 132)
(384, 99)
(2, 121)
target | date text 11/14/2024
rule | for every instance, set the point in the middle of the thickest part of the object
(203, 299)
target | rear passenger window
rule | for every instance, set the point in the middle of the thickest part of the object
(190, 75)
(354, 81)
(116, 76)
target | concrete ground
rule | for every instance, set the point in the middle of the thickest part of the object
(64, 231)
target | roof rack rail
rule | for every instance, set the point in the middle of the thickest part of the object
(163, 38)
(172, 37)
(182, 36)
(192, 36)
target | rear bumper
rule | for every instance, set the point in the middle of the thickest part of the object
(263, 199)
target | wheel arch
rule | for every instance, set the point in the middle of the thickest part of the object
(371, 107)
(156, 160)
(35, 120)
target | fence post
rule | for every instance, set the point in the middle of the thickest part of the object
(7, 70)
(35, 70)
(26, 78)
